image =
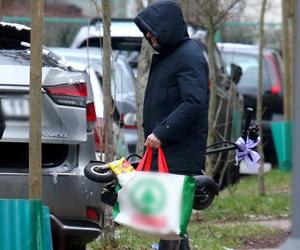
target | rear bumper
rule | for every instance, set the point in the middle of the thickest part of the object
(73, 232)
(66, 194)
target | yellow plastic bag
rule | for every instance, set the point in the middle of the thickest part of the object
(121, 166)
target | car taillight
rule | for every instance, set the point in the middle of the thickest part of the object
(128, 123)
(90, 112)
(276, 89)
(92, 214)
(68, 94)
(128, 126)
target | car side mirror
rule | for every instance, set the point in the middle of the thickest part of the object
(236, 73)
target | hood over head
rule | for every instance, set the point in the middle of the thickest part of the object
(165, 21)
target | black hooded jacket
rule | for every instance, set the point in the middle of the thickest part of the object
(176, 98)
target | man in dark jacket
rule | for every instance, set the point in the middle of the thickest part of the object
(176, 98)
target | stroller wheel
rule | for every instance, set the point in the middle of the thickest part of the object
(205, 192)
(98, 172)
(203, 199)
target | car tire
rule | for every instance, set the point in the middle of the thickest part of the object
(98, 172)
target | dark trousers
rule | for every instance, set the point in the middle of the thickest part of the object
(174, 244)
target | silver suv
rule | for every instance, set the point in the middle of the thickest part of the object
(68, 146)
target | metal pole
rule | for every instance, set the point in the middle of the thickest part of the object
(35, 149)
(293, 242)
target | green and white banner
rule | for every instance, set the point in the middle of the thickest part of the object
(155, 203)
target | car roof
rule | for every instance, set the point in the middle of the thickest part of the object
(118, 28)
(122, 28)
(242, 48)
(94, 53)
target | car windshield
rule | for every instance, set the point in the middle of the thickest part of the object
(249, 64)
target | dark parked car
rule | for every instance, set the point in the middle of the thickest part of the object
(127, 38)
(68, 146)
(246, 56)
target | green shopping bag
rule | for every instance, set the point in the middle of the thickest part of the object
(24, 225)
(156, 203)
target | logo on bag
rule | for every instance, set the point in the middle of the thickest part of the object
(148, 196)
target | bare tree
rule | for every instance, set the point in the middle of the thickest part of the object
(1, 8)
(105, 13)
(108, 103)
(142, 79)
(211, 15)
(288, 23)
(185, 7)
(259, 104)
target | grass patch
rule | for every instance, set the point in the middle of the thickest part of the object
(275, 181)
(202, 236)
(126, 239)
(245, 202)
(217, 237)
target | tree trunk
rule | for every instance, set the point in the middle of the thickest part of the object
(261, 184)
(108, 107)
(287, 60)
(142, 79)
(108, 103)
(1, 8)
(35, 147)
(185, 6)
(292, 32)
(213, 94)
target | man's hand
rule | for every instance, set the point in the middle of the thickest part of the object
(152, 141)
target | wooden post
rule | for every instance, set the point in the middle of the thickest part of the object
(259, 103)
(35, 149)
(286, 51)
(108, 104)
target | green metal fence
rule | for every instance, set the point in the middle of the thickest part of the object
(61, 31)
(58, 32)
(24, 225)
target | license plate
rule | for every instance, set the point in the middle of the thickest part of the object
(15, 108)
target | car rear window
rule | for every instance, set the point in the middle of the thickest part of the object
(249, 64)
(22, 57)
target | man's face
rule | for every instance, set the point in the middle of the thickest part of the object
(152, 39)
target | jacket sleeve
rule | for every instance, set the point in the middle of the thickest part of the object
(192, 80)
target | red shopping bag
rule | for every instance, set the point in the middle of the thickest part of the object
(146, 161)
